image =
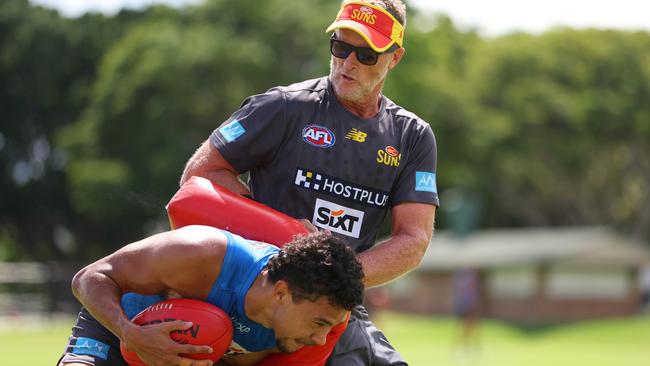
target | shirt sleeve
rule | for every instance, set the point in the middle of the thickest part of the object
(417, 181)
(254, 133)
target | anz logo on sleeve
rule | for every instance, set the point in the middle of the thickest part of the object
(337, 218)
(425, 182)
(232, 131)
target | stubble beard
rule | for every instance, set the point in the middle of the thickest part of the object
(356, 95)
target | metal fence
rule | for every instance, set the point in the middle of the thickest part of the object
(29, 287)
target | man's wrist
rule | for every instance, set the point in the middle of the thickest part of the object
(127, 330)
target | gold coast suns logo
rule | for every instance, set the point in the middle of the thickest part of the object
(389, 156)
(364, 14)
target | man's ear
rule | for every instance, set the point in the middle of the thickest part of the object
(397, 57)
(281, 292)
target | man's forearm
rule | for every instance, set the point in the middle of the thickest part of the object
(208, 163)
(392, 258)
(101, 297)
(227, 179)
(223, 177)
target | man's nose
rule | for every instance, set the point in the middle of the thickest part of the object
(320, 337)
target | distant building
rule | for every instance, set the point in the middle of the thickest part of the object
(531, 275)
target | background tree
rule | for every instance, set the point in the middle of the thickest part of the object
(567, 121)
(47, 66)
(99, 114)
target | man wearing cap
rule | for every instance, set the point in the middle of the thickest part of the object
(337, 152)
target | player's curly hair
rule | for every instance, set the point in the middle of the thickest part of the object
(319, 264)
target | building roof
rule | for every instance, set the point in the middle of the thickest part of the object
(506, 247)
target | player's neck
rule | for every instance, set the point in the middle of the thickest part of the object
(257, 301)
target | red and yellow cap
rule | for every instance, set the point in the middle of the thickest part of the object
(376, 25)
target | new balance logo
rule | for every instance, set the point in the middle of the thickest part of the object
(356, 135)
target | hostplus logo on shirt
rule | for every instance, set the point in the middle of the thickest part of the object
(337, 218)
(336, 187)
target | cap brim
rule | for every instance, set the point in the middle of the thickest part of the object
(375, 39)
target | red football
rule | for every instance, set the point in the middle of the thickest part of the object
(210, 326)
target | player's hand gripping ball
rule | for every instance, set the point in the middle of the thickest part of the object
(211, 326)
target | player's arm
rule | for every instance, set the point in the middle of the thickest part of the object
(207, 162)
(187, 261)
(412, 228)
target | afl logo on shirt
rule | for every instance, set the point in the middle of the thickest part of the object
(337, 218)
(318, 136)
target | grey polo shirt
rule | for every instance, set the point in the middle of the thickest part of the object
(309, 157)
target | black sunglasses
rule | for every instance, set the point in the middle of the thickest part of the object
(365, 55)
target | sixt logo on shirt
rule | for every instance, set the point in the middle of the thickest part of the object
(425, 182)
(232, 131)
(318, 136)
(336, 187)
(337, 218)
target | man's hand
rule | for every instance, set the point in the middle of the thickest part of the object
(154, 346)
(311, 228)
(411, 231)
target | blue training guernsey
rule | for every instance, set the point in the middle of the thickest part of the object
(244, 260)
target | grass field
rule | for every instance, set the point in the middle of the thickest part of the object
(424, 341)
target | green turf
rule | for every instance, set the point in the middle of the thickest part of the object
(423, 341)
(30, 342)
(430, 341)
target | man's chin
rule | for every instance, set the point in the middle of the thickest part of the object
(348, 93)
(284, 348)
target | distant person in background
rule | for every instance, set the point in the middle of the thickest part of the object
(644, 280)
(467, 307)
